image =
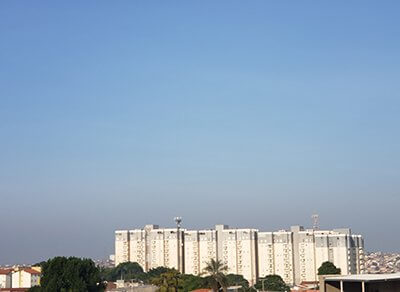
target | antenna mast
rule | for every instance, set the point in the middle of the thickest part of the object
(315, 220)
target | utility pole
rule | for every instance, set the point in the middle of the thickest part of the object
(178, 221)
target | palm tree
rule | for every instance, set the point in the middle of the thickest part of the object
(216, 274)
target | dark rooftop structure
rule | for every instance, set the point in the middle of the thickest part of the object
(361, 283)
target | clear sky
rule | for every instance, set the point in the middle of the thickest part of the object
(116, 114)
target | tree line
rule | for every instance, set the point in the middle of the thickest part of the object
(62, 274)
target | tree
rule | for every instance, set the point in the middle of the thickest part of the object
(236, 280)
(170, 281)
(70, 274)
(106, 273)
(192, 282)
(155, 273)
(328, 268)
(272, 283)
(216, 275)
(126, 271)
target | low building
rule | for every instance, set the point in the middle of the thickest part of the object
(5, 278)
(117, 287)
(361, 283)
(25, 278)
(14, 289)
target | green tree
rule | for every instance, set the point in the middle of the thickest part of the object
(192, 282)
(272, 283)
(126, 271)
(170, 281)
(236, 280)
(328, 268)
(216, 275)
(70, 274)
(156, 272)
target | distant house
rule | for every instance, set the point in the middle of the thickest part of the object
(5, 278)
(25, 278)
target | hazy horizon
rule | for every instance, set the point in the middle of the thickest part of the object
(257, 114)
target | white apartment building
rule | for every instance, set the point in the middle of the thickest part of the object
(275, 254)
(121, 246)
(295, 255)
(199, 248)
(151, 247)
(237, 250)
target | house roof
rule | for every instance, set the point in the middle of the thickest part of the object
(5, 271)
(31, 271)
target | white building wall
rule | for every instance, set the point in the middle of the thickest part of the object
(192, 253)
(121, 246)
(338, 246)
(239, 252)
(171, 248)
(359, 254)
(295, 255)
(307, 256)
(321, 249)
(207, 248)
(137, 247)
(283, 256)
(21, 279)
(156, 249)
(229, 250)
(246, 254)
(5, 280)
(266, 265)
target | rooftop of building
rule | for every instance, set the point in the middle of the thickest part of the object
(364, 277)
(32, 271)
(5, 271)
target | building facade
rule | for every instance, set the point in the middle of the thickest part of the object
(5, 278)
(294, 254)
(25, 278)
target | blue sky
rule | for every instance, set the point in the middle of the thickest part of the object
(116, 114)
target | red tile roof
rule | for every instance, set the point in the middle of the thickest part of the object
(5, 271)
(31, 271)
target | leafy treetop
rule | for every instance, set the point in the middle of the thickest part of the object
(328, 268)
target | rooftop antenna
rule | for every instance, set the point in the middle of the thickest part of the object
(315, 220)
(178, 221)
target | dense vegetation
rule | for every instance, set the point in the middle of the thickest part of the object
(63, 274)
(72, 274)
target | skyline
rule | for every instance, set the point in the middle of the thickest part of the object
(183, 227)
(122, 114)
